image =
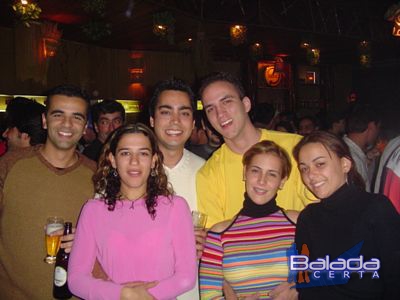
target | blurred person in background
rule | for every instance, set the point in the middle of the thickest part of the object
(263, 115)
(306, 125)
(3, 147)
(198, 136)
(88, 137)
(23, 123)
(107, 115)
(214, 140)
(391, 182)
(284, 126)
(336, 123)
(387, 153)
(363, 126)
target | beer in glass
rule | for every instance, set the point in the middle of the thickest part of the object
(53, 241)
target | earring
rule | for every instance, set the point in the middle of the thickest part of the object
(153, 173)
(114, 173)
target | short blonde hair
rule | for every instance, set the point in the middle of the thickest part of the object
(266, 147)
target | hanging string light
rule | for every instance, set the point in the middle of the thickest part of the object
(238, 34)
(256, 51)
(164, 26)
(26, 11)
(313, 56)
(160, 30)
(305, 44)
(364, 48)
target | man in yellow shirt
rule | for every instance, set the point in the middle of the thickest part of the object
(220, 186)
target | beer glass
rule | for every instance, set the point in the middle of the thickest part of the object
(199, 219)
(53, 241)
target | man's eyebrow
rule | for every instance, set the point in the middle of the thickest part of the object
(164, 106)
(80, 115)
(56, 111)
(184, 107)
(228, 96)
(110, 119)
(225, 97)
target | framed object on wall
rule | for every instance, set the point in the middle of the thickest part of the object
(274, 74)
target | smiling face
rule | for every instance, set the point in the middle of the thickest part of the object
(133, 161)
(225, 110)
(173, 119)
(322, 171)
(65, 122)
(263, 176)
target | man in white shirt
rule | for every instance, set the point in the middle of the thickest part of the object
(171, 115)
(363, 127)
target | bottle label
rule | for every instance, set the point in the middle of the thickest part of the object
(60, 276)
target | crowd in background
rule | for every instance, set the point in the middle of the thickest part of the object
(248, 167)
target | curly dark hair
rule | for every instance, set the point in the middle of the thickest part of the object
(109, 186)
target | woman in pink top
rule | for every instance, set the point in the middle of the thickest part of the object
(139, 232)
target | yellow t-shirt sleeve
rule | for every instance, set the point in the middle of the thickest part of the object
(210, 193)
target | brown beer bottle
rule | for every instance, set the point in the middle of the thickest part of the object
(60, 284)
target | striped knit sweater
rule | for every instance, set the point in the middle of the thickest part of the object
(250, 254)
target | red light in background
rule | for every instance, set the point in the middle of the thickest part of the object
(310, 77)
(137, 91)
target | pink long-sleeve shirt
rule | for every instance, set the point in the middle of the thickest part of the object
(131, 246)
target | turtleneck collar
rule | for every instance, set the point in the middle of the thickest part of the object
(251, 209)
(343, 196)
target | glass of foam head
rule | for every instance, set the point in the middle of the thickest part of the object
(52, 241)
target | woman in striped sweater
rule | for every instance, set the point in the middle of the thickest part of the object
(249, 252)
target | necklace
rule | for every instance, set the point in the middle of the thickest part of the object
(123, 197)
